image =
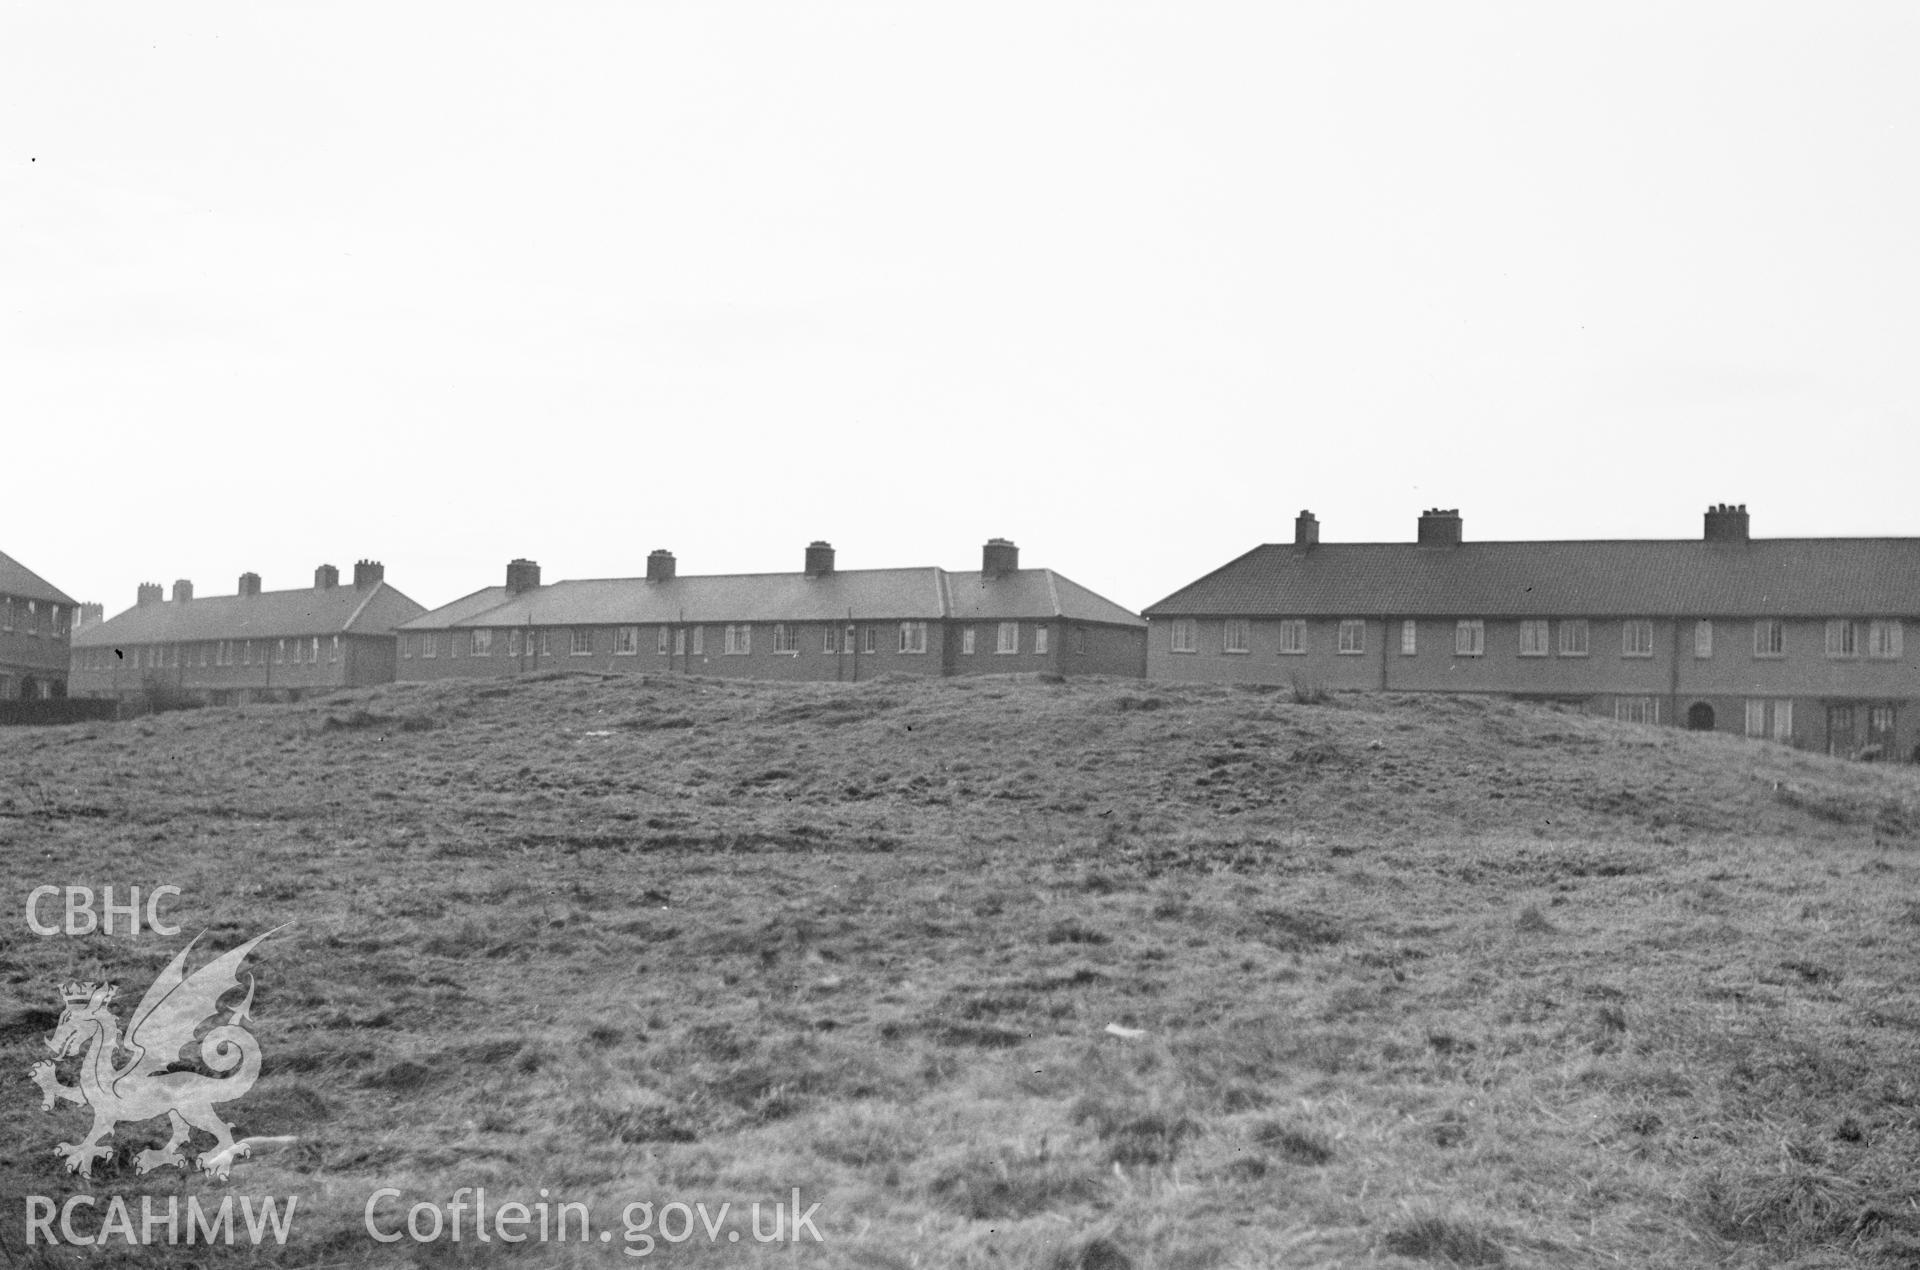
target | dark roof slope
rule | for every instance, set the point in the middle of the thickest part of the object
(18, 580)
(340, 610)
(918, 594)
(1777, 577)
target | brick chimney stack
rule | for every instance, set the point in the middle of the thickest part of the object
(1306, 531)
(182, 590)
(522, 575)
(150, 593)
(91, 614)
(999, 557)
(1440, 527)
(249, 584)
(819, 559)
(660, 565)
(366, 573)
(325, 578)
(1727, 523)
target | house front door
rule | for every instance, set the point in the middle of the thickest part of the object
(1840, 738)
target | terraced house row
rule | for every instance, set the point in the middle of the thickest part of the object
(820, 623)
(1794, 639)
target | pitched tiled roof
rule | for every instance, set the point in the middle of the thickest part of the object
(1776, 577)
(868, 594)
(18, 580)
(340, 610)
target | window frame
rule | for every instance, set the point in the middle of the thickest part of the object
(1183, 636)
(1292, 632)
(1769, 638)
(1703, 639)
(1356, 627)
(738, 640)
(1885, 638)
(1630, 646)
(913, 638)
(626, 640)
(580, 641)
(1536, 637)
(966, 640)
(1574, 631)
(1470, 637)
(1236, 636)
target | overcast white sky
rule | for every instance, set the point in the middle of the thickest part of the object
(443, 284)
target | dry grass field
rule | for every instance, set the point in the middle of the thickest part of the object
(1398, 981)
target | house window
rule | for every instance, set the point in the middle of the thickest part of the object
(1769, 638)
(206, 652)
(1772, 718)
(482, 643)
(1469, 637)
(513, 642)
(786, 637)
(407, 643)
(1293, 635)
(582, 642)
(1636, 638)
(1009, 641)
(279, 652)
(457, 644)
(828, 644)
(680, 643)
(869, 640)
(1040, 636)
(546, 645)
(1637, 709)
(699, 641)
(1236, 636)
(1183, 636)
(333, 653)
(1080, 640)
(1409, 637)
(1883, 640)
(966, 641)
(6, 615)
(1573, 637)
(739, 639)
(663, 646)
(1843, 639)
(913, 637)
(313, 652)
(1703, 639)
(1533, 638)
(246, 653)
(1353, 636)
(626, 641)
(1880, 721)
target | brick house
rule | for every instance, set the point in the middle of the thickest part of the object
(1795, 639)
(253, 646)
(36, 619)
(820, 623)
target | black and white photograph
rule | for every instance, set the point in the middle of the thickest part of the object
(1051, 636)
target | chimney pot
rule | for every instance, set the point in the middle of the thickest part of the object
(325, 578)
(249, 584)
(660, 565)
(819, 559)
(368, 572)
(150, 593)
(999, 557)
(182, 590)
(522, 575)
(1440, 527)
(1306, 530)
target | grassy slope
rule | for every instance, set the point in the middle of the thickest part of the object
(1416, 977)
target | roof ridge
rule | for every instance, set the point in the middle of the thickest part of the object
(1053, 594)
(361, 607)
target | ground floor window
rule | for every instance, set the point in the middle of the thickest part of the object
(1637, 709)
(1772, 718)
